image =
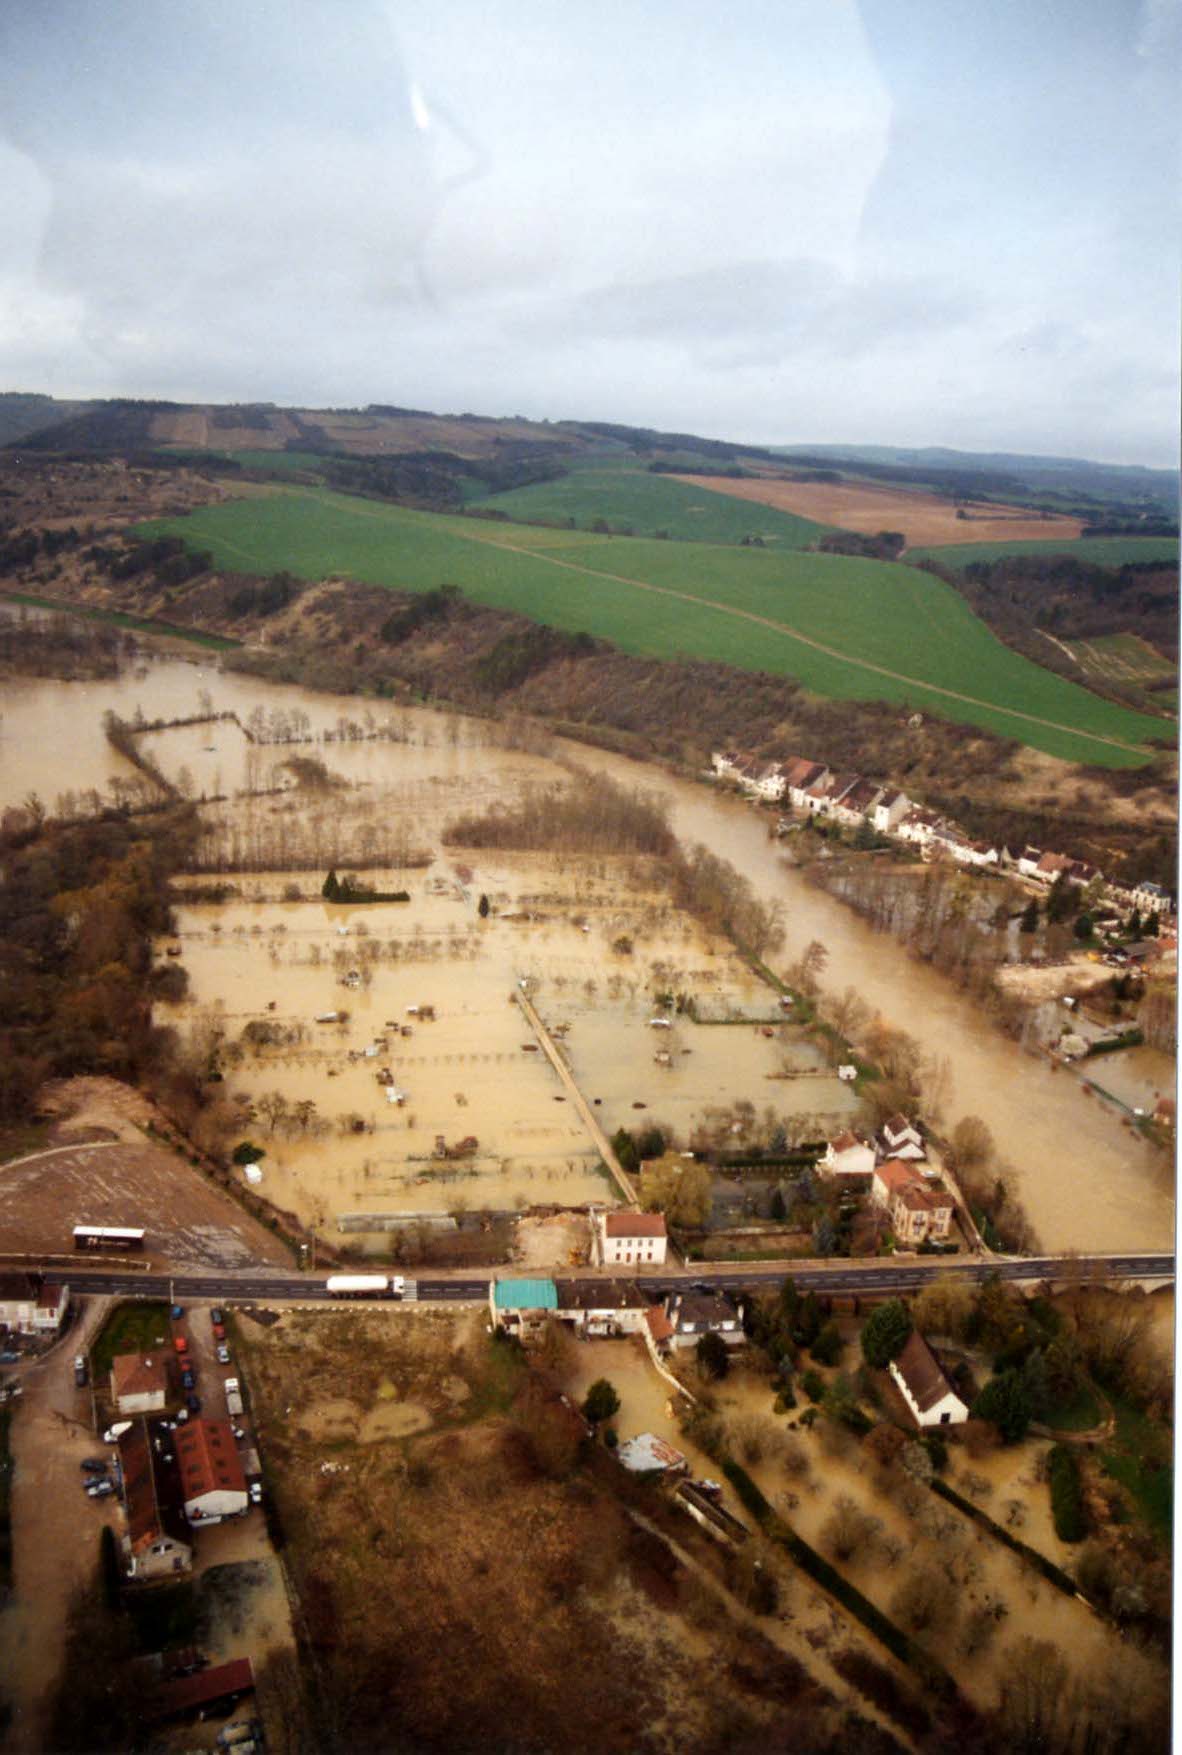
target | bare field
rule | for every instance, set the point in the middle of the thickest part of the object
(925, 519)
(189, 1223)
(423, 1622)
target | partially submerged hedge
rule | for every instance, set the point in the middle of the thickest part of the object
(1067, 1506)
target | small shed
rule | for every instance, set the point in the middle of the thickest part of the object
(649, 1454)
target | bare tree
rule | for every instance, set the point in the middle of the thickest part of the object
(848, 1530)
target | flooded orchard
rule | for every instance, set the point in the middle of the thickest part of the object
(392, 777)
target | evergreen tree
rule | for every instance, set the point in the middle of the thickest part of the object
(885, 1332)
(332, 889)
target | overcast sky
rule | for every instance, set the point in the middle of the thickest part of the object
(897, 221)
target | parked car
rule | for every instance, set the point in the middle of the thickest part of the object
(239, 1433)
(116, 1431)
(100, 1490)
(256, 1492)
(223, 1355)
(188, 1379)
(81, 1373)
(219, 1331)
(8, 1357)
(177, 1311)
(181, 1344)
(93, 1465)
(215, 1315)
(193, 1403)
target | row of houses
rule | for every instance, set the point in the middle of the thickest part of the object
(609, 1308)
(29, 1307)
(815, 790)
(892, 1168)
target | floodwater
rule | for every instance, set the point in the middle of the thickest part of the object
(472, 1071)
(1087, 1179)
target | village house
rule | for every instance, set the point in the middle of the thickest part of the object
(1028, 861)
(802, 776)
(1150, 898)
(649, 1454)
(900, 1138)
(889, 809)
(918, 826)
(925, 1388)
(141, 1383)
(768, 784)
(919, 1207)
(29, 1307)
(628, 1239)
(849, 1160)
(824, 799)
(601, 1307)
(522, 1308)
(693, 1314)
(212, 1480)
(857, 803)
(156, 1542)
(1049, 867)
(725, 763)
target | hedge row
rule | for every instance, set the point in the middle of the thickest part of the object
(1067, 1507)
(932, 1674)
(1060, 1579)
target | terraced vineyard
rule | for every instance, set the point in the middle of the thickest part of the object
(849, 629)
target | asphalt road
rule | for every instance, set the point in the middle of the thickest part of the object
(879, 1276)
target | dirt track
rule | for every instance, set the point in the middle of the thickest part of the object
(925, 519)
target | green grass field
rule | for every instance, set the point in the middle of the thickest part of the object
(632, 498)
(848, 629)
(1129, 661)
(1102, 551)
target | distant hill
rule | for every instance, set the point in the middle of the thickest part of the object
(24, 412)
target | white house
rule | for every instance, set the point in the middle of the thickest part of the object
(769, 783)
(925, 1389)
(857, 803)
(212, 1479)
(1151, 898)
(1028, 861)
(917, 826)
(889, 810)
(902, 1139)
(29, 1307)
(142, 1382)
(629, 1239)
(802, 777)
(156, 1543)
(845, 1156)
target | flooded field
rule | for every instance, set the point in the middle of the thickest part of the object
(370, 1040)
(1086, 1178)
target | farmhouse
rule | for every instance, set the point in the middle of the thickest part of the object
(141, 1383)
(1029, 860)
(522, 1307)
(1151, 897)
(212, 1480)
(857, 803)
(925, 1389)
(920, 1207)
(29, 1307)
(156, 1542)
(801, 777)
(601, 1307)
(917, 826)
(693, 1314)
(768, 784)
(628, 1239)
(849, 1160)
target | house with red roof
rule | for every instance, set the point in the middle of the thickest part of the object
(629, 1239)
(212, 1480)
(919, 1206)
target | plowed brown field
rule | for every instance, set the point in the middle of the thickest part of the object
(926, 520)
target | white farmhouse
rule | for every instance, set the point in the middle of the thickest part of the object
(889, 810)
(212, 1479)
(847, 1156)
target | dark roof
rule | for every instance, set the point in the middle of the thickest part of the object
(20, 1288)
(921, 1371)
(187, 1693)
(701, 1307)
(151, 1490)
(600, 1295)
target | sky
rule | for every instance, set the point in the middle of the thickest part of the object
(902, 222)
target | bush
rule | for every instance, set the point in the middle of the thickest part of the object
(601, 1401)
(713, 1355)
(1006, 1404)
(827, 1348)
(1067, 1506)
(885, 1332)
(813, 1385)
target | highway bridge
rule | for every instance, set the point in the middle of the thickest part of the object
(872, 1278)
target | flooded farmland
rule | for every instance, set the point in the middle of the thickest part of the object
(1088, 1180)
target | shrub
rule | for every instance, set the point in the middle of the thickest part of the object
(827, 1348)
(813, 1385)
(1006, 1404)
(601, 1401)
(713, 1356)
(1067, 1506)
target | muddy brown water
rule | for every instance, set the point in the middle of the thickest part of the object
(1088, 1180)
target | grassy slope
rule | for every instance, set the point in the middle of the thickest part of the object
(651, 503)
(1103, 551)
(890, 616)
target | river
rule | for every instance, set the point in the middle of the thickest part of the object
(1087, 1179)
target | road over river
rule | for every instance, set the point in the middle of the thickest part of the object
(874, 1279)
